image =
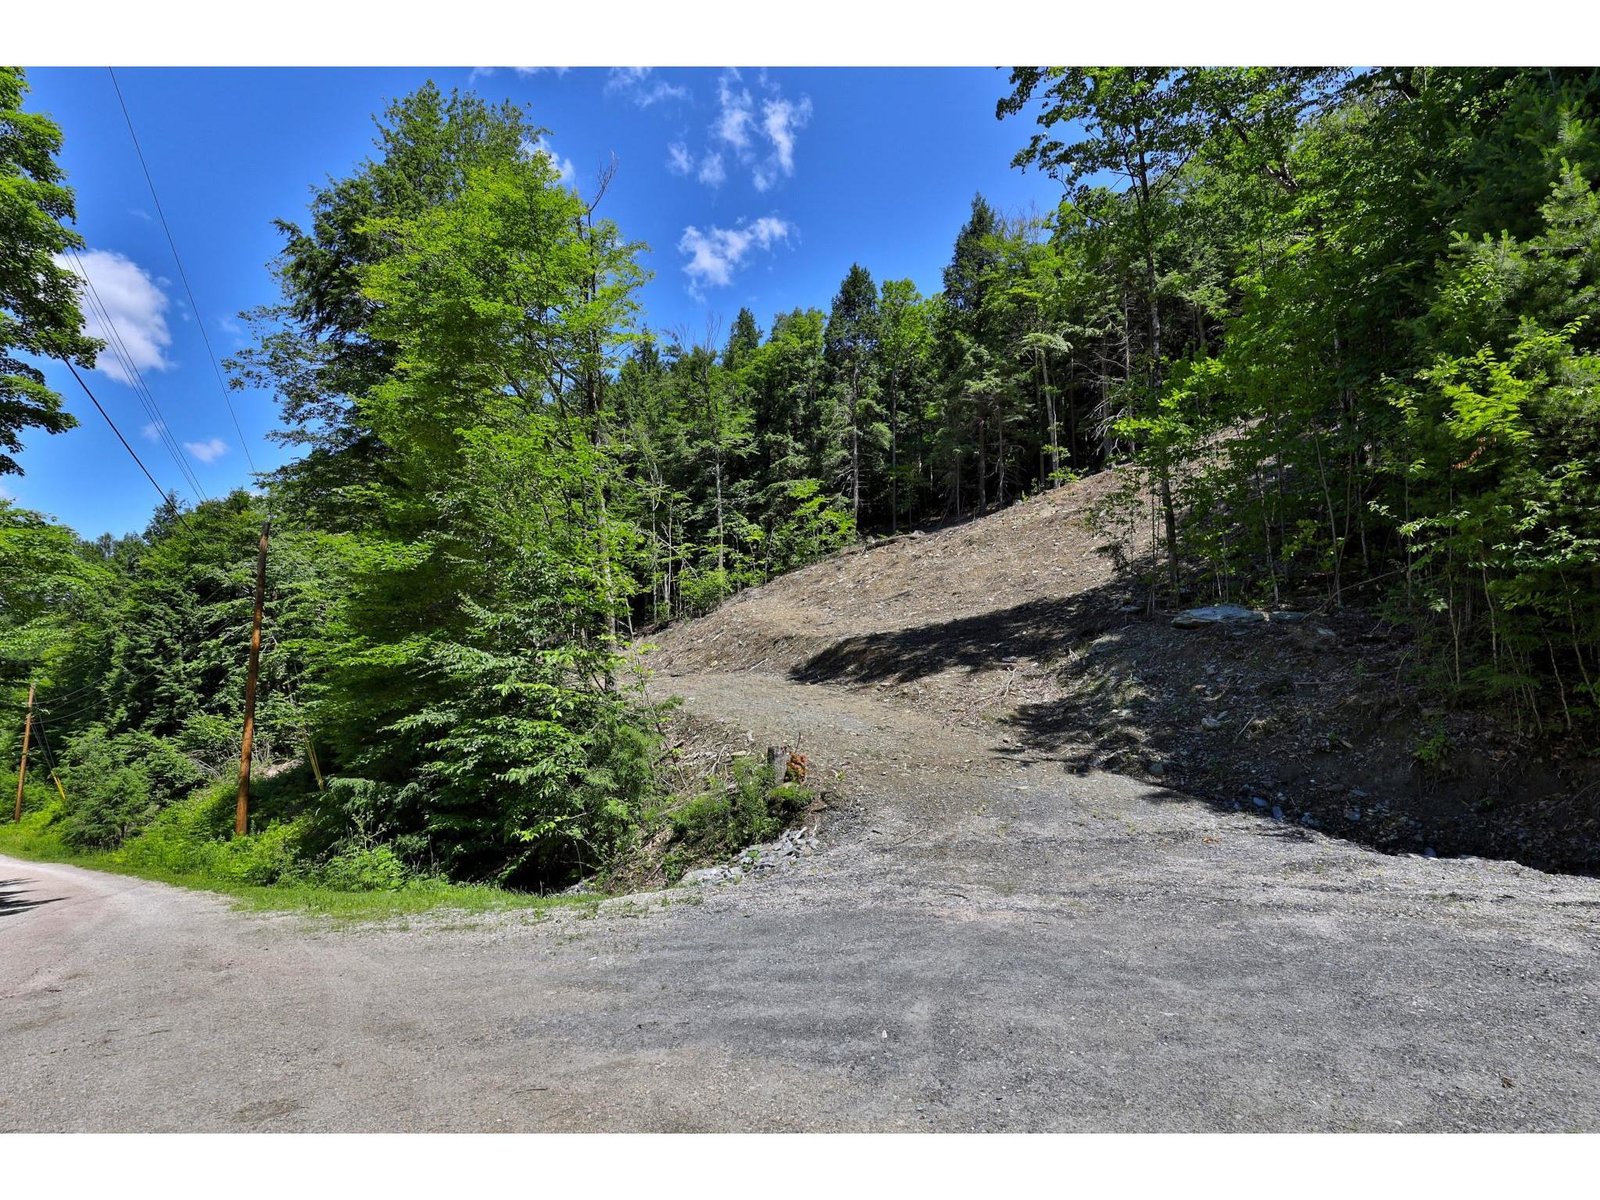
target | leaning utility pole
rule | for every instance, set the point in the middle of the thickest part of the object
(22, 767)
(241, 813)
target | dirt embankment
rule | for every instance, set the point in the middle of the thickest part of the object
(1018, 624)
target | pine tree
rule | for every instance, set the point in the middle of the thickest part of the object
(851, 343)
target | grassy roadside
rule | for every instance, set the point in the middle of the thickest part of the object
(34, 838)
(711, 812)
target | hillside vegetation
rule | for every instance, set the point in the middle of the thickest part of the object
(1332, 329)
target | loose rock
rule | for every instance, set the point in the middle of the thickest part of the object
(1216, 614)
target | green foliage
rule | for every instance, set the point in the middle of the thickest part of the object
(117, 784)
(294, 889)
(53, 598)
(191, 838)
(371, 869)
(466, 670)
(39, 314)
(1356, 339)
(1337, 326)
(747, 808)
(809, 524)
(1433, 749)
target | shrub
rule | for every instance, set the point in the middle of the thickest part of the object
(702, 590)
(370, 869)
(1433, 748)
(116, 786)
(750, 807)
(258, 858)
(193, 837)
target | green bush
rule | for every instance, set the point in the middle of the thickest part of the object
(370, 869)
(117, 785)
(261, 858)
(750, 807)
(39, 833)
(193, 837)
(702, 590)
(1434, 748)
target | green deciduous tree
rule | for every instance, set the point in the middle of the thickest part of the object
(39, 314)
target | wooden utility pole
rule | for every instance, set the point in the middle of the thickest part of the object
(241, 812)
(22, 767)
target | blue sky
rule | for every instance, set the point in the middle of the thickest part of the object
(751, 187)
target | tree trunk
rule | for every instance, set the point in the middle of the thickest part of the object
(719, 510)
(855, 444)
(894, 459)
(855, 473)
(1050, 416)
(1000, 459)
(983, 464)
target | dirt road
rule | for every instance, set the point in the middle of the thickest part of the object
(988, 943)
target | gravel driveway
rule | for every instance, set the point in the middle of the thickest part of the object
(985, 942)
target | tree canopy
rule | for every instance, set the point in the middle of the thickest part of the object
(1335, 329)
(39, 314)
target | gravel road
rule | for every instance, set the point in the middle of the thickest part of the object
(985, 942)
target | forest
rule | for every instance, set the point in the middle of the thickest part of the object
(1334, 329)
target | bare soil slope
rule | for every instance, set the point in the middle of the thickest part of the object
(1016, 624)
(934, 618)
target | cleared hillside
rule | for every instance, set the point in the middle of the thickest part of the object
(1017, 626)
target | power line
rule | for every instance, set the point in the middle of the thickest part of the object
(159, 490)
(182, 274)
(50, 759)
(136, 380)
(85, 704)
(135, 377)
(89, 704)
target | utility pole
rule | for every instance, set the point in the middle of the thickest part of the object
(22, 767)
(241, 814)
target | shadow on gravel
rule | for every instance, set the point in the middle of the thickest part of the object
(14, 893)
(1310, 724)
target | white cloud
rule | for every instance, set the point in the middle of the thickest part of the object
(736, 116)
(635, 84)
(714, 255)
(763, 144)
(152, 430)
(135, 305)
(6, 493)
(484, 72)
(712, 171)
(207, 451)
(781, 120)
